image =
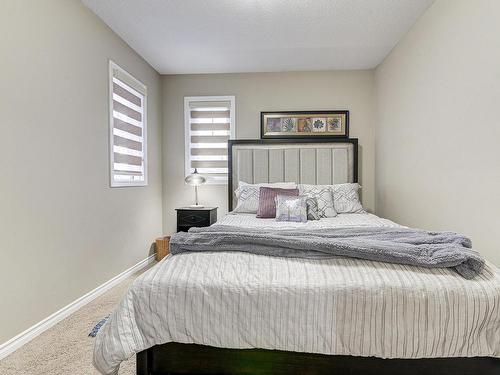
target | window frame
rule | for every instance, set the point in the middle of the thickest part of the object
(187, 128)
(114, 66)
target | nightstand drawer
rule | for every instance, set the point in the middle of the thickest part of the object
(193, 218)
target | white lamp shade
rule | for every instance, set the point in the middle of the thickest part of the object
(195, 179)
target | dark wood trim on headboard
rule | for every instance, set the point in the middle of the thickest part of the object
(231, 142)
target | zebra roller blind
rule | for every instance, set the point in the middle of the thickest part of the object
(209, 125)
(127, 129)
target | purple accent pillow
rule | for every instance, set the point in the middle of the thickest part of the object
(267, 203)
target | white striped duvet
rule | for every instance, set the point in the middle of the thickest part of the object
(336, 306)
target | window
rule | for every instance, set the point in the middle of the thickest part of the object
(209, 122)
(127, 116)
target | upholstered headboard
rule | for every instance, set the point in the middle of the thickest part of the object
(304, 161)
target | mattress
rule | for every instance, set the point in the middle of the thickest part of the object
(339, 306)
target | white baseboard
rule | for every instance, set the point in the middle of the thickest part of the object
(24, 337)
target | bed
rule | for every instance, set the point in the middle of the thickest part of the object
(240, 313)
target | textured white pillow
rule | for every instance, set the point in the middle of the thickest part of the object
(248, 195)
(324, 197)
(346, 199)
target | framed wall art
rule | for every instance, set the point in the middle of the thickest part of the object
(304, 124)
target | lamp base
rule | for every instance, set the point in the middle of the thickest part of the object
(196, 206)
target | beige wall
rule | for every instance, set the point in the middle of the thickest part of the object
(256, 92)
(63, 230)
(438, 129)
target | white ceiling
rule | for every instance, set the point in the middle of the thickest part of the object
(225, 36)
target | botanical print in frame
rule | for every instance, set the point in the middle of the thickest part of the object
(305, 124)
(274, 124)
(288, 125)
(319, 125)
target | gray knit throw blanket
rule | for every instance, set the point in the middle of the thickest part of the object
(394, 245)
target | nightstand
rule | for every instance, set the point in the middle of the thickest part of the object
(188, 217)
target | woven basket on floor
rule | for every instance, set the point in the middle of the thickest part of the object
(162, 247)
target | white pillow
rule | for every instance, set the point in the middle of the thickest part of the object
(248, 195)
(346, 199)
(324, 197)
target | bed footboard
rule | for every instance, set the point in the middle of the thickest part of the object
(142, 363)
(176, 359)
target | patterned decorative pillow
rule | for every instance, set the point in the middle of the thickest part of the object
(267, 203)
(324, 197)
(248, 195)
(289, 208)
(312, 209)
(346, 199)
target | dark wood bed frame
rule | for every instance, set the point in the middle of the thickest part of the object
(175, 358)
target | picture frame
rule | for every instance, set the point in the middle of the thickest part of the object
(304, 124)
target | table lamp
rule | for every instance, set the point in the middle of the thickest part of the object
(195, 179)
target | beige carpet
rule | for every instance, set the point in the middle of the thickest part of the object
(66, 349)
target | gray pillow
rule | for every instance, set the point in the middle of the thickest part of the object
(290, 208)
(312, 209)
